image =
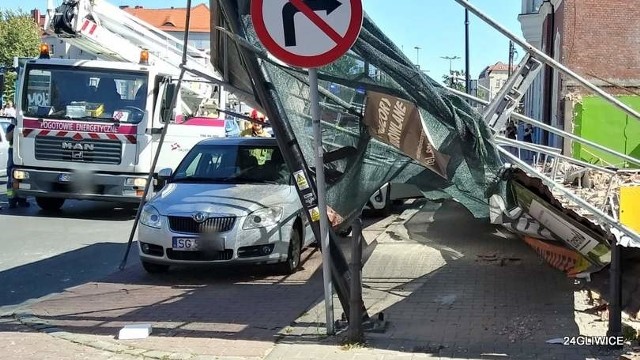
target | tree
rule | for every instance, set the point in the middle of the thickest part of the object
(19, 37)
(345, 66)
(455, 80)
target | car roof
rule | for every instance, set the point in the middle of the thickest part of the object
(245, 140)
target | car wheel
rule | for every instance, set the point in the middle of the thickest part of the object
(152, 268)
(49, 204)
(293, 255)
(388, 204)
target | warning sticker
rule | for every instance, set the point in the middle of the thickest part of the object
(315, 214)
(301, 180)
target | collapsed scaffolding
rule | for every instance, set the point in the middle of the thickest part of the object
(467, 159)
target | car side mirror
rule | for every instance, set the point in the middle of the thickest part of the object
(163, 177)
(165, 174)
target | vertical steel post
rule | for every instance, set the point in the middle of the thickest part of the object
(356, 315)
(322, 198)
(467, 79)
(615, 288)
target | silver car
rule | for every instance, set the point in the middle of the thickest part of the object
(231, 200)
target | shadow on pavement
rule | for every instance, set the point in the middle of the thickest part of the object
(486, 294)
(55, 274)
(74, 209)
(225, 303)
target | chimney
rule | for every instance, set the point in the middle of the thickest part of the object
(35, 15)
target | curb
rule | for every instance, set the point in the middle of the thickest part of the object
(30, 320)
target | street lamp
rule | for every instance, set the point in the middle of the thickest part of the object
(467, 79)
(450, 58)
(417, 56)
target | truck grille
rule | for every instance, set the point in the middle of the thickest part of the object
(185, 224)
(52, 148)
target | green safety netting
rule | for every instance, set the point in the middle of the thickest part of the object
(375, 73)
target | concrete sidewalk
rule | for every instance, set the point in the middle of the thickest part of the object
(450, 287)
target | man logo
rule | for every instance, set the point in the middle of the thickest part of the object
(200, 217)
(68, 145)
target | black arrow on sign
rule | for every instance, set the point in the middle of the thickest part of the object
(290, 10)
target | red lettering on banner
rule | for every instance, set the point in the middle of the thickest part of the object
(68, 126)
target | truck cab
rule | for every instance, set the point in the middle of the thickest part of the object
(90, 129)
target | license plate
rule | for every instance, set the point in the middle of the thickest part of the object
(64, 177)
(184, 244)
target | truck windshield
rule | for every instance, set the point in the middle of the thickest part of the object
(62, 92)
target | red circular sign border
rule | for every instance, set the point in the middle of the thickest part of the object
(314, 61)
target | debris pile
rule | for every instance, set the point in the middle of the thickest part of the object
(521, 328)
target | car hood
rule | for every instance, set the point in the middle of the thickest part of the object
(222, 199)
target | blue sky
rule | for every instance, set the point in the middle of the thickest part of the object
(436, 26)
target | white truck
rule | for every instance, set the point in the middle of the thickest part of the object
(89, 129)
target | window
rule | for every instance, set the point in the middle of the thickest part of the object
(83, 93)
(233, 164)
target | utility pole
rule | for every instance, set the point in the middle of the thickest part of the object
(417, 56)
(512, 52)
(467, 79)
(450, 58)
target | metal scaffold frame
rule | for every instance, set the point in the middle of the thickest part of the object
(622, 235)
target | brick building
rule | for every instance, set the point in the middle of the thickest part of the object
(600, 41)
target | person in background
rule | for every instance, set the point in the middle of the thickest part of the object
(14, 200)
(528, 133)
(256, 129)
(528, 137)
(9, 110)
(512, 133)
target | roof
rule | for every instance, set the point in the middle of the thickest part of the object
(499, 66)
(174, 19)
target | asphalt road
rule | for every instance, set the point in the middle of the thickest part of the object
(43, 254)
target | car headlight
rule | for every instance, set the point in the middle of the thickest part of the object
(262, 218)
(151, 217)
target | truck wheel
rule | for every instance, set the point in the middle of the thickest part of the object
(49, 204)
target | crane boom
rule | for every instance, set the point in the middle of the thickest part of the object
(112, 34)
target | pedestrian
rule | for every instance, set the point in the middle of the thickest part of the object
(257, 126)
(512, 133)
(528, 134)
(9, 110)
(528, 137)
(14, 200)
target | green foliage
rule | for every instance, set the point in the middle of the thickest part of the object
(344, 66)
(19, 37)
(454, 80)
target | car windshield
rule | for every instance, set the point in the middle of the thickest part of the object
(235, 164)
(85, 94)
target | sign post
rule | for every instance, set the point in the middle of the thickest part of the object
(323, 31)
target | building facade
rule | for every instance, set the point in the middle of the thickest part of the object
(599, 40)
(492, 79)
